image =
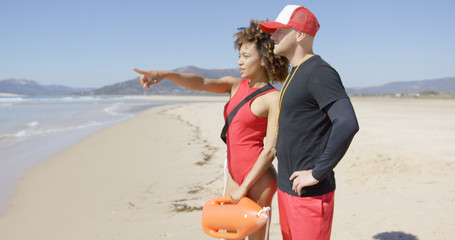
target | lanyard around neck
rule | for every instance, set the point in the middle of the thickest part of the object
(286, 84)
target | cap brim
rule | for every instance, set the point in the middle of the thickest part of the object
(270, 27)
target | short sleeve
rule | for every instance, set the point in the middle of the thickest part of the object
(325, 86)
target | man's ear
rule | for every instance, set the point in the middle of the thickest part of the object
(300, 36)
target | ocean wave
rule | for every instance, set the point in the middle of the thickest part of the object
(9, 100)
(66, 99)
(29, 132)
(32, 124)
(34, 116)
(112, 109)
(25, 126)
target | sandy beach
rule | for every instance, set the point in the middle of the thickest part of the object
(148, 177)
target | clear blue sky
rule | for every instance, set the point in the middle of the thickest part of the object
(93, 43)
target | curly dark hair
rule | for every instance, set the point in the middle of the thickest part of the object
(276, 67)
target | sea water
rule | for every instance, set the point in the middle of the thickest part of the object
(33, 129)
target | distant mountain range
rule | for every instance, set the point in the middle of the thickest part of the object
(442, 85)
(133, 87)
(33, 88)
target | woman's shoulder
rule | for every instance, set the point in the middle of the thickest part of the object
(270, 98)
(273, 94)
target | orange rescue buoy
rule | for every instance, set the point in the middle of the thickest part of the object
(222, 219)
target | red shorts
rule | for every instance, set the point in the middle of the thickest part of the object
(305, 218)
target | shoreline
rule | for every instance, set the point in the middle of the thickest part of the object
(22, 153)
(148, 177)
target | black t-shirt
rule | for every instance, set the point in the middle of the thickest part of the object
(304, 126)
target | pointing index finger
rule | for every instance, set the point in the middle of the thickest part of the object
(139, 71)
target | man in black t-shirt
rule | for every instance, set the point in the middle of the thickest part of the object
(316, 124)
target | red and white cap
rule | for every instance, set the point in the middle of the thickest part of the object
(294, 16)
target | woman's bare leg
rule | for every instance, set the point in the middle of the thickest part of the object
(261, 192)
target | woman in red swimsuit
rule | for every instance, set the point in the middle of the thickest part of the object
(251, 172)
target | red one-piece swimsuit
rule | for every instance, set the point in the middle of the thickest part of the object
(245, 135)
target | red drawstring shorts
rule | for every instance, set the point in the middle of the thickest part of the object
(306, 218)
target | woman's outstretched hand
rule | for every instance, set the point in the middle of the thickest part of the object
(149, 78)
